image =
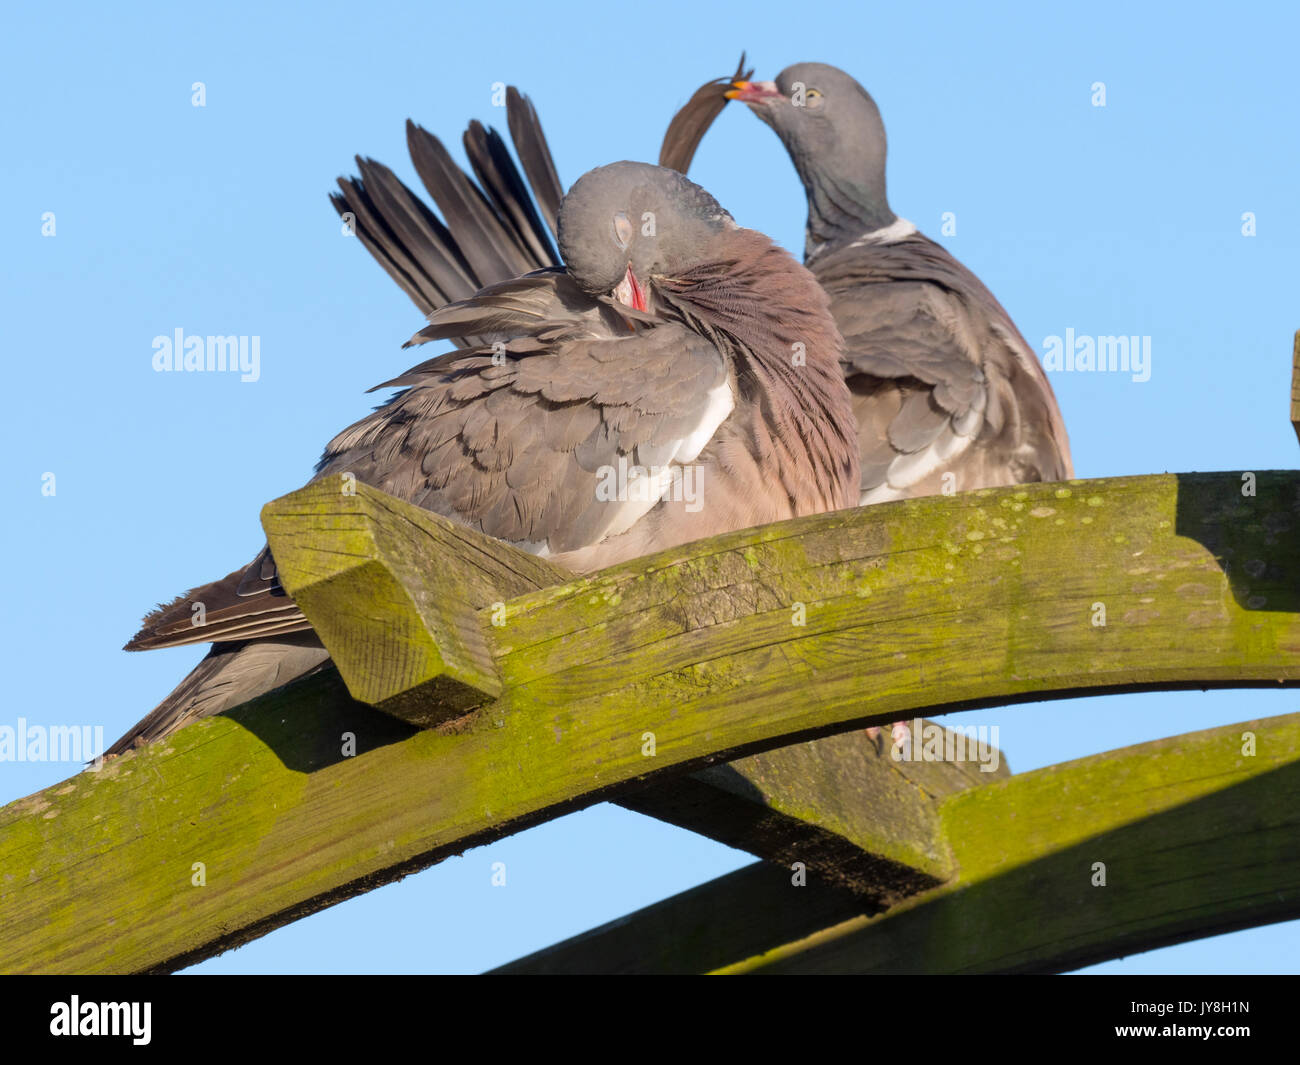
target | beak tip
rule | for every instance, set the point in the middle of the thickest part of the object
(752, 92)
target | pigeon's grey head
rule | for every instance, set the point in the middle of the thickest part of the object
(832, 129)
(623, 225)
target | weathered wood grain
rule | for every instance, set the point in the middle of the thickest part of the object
(725, 648)
(847, 808)
(648, 609)
(703, 929)
(1193, 835)
(395, 592)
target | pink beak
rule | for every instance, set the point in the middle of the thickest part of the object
(753, 92)
(629, 291)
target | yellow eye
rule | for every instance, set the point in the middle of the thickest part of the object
(813, 98)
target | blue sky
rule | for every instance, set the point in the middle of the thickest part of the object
(1122, 219)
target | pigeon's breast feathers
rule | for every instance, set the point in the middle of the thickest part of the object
(773, 319)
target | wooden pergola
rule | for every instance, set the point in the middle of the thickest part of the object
(724, 686)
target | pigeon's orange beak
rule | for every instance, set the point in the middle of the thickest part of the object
(752, 92)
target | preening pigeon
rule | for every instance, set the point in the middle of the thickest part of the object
(948, 395)
(674, 347)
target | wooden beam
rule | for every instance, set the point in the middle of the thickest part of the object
(982, 598)
(360, 541)
(712, 651)
(1194, 835)
(853, 812)
(705, 928)
(395, 592)
(858, 819)
(414, 640)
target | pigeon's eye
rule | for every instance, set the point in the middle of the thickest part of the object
(813, 98)
(622, 230)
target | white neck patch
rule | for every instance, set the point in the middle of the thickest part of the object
(898, 229)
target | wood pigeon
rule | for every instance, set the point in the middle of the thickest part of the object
(947, 393)
(672, 344)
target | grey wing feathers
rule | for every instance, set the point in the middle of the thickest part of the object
(230, 674)
(535, 155)
(242, 605)
(490, 231)
(512, 441)
(935, 366)
(508, 194)
(404, 236)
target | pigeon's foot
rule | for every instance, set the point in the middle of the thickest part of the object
(899, 733)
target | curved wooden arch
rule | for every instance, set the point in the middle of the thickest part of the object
(540, 691)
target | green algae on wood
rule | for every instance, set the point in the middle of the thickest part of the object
(1093, 859)
(394, 590)
(854, 812)
(724, 648)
